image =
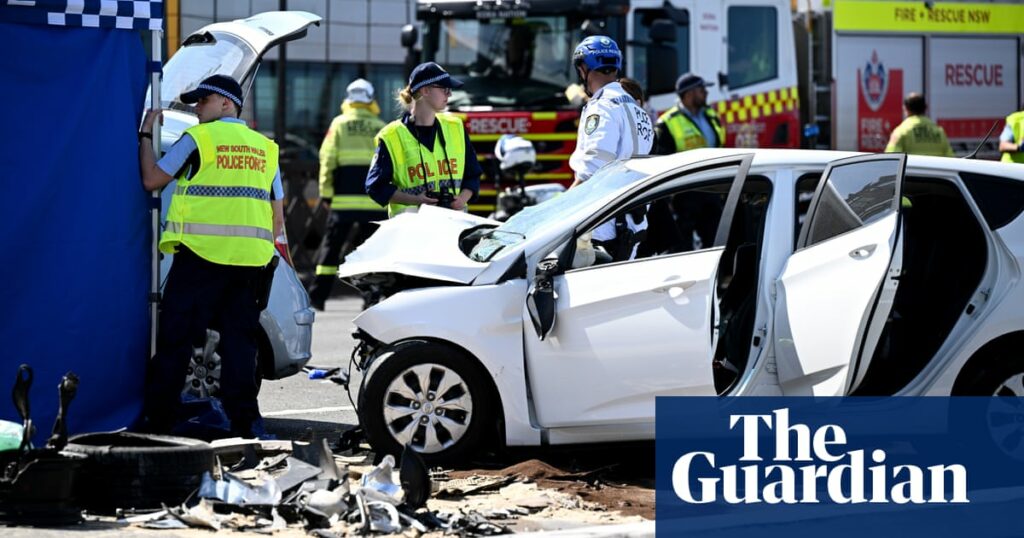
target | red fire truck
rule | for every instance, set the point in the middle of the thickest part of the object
(514, 56)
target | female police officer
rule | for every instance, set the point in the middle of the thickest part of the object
(424, 157)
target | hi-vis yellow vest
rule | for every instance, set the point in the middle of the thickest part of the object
(349, 143)
(416, 169)
(1016, 123)
(686, 133)
(223, 213)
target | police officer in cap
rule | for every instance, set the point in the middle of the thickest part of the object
(612, 126)
(345, 156)
(690, 123)
(918, 134)
(226, 211)
(425, 156)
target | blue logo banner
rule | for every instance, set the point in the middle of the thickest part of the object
(865, 467)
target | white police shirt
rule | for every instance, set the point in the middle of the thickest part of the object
(612, 127)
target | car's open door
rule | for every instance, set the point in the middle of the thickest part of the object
(610, 338)
(836, 290)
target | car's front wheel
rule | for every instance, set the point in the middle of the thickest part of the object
(430, 396)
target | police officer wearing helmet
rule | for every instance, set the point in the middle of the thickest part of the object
(612, 126)
(690, 123)
(918, 134)
(345, 156)
(425, 155)
(221, 224)
(1011, 141)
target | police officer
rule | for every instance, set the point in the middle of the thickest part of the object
(344, 161)
(690, 123)
(424, 157)
(226, 211)
(612, 126)
(1011, 142)
(918, 134)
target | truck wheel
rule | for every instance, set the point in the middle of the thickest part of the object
(429, 396)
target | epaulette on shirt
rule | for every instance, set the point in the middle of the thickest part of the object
(623, 99)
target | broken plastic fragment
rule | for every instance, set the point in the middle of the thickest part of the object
(233, 490)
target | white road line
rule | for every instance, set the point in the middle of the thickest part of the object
(314, 411)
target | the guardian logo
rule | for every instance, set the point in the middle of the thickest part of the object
(813, 470)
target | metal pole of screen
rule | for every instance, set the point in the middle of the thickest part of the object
(154, 266)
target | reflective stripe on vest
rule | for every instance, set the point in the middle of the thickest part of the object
(409, 158)
(353, 202)
(322, 270)
(686, 133)
(1016, 123)
(223, 213)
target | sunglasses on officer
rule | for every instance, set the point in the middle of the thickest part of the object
(445, 89)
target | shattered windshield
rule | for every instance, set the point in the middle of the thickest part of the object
(519, 62)
(555, 211)
(201, 57)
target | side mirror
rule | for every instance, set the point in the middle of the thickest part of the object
(723, 80)
(661, 79)
(540, 301)
(409, 35)
(662, 31)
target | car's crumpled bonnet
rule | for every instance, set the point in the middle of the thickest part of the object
(423, 244)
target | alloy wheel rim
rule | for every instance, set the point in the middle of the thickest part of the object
(1006, 416)
(429, 407)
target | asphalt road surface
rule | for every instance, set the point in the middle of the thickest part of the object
(292, 405)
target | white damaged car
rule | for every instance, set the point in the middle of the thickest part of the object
(831, 274)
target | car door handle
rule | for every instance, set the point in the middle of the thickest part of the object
(682, 285)
(863, 252)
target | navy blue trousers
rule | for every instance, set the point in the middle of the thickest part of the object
(333, 247)
(200, 294)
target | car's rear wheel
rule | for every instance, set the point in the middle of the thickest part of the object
(430, 396)
(1002, 378)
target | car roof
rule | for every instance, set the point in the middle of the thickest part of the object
(769, 158)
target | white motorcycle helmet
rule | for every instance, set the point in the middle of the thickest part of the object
(514, 151)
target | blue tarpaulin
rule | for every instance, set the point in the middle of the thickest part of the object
(74, 266)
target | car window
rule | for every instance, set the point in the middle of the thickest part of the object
(805, 187)
(853, 195)
(559, 209)
(202, 56)
(753, 45)
(1001, 200)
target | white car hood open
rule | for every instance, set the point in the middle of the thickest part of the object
(423, 244)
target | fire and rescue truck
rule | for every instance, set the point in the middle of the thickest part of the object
(786, 73)
(859, 58)
(515, 58)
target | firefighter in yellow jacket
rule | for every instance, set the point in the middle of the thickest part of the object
(221, 226)
(344, 160)
(918, 134)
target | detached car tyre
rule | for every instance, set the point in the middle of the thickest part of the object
(132, 470)
(430, 396)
